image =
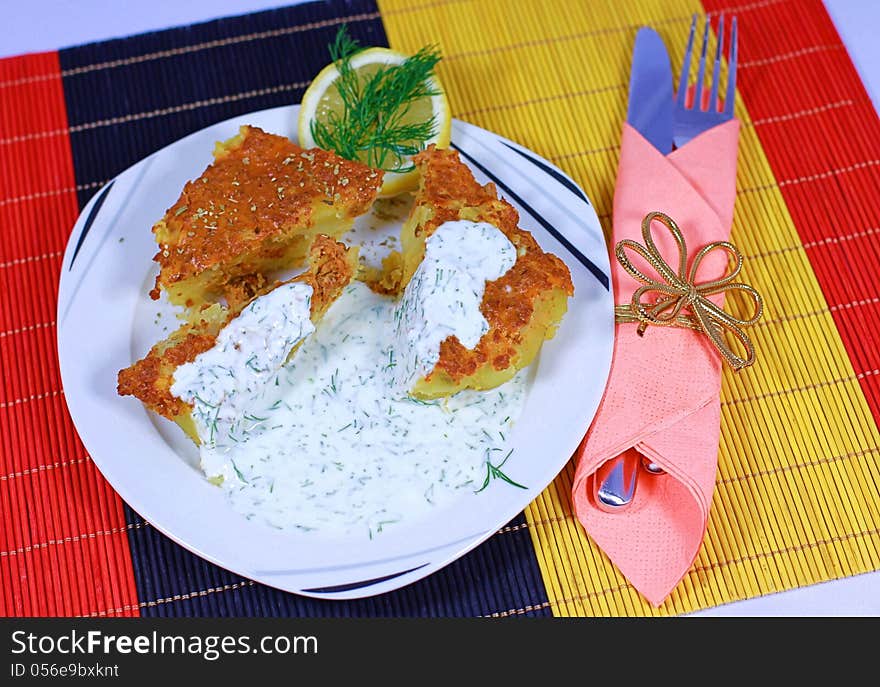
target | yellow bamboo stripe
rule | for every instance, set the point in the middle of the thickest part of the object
(799, 464)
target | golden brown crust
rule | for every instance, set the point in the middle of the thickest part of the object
(449, 192)
(247, 210)
(332, 266)
(150, 378)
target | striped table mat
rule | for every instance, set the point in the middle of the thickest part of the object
(797, 495)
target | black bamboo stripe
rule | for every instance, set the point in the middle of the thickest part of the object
(500, 574)
(276, 69)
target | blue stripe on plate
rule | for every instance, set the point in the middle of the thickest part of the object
(362, 584)
(90, 220)
(553, 231)
(113, 115)
(561, 178)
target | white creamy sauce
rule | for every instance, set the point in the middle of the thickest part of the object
(222, 382)
(444, 295)
(328, 442)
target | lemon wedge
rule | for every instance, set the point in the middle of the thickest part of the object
(322, 98)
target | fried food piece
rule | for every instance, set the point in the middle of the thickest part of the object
(255, 210)
(331, 268)
(523, 307)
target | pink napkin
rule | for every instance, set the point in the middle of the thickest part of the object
(662, 398)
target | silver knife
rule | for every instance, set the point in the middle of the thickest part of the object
(614, 483)
(650, 90)
(649, 112)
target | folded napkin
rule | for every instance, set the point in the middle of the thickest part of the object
(662, 399)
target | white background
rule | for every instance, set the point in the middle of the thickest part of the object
(37, 25)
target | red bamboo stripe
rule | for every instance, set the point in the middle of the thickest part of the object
(826, 162)
(63, 537)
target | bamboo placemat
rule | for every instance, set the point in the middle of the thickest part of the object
(797, 494)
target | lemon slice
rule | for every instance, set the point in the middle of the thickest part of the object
(322, 98)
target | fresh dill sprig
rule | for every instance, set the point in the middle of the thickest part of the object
(372, 126)
(494, 472)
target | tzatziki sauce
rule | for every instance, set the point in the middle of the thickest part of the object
(444, 295)
(331, 442)
(222, 382)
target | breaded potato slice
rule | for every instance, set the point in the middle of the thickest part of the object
(253, 211)
(523, 307)
(332, 266)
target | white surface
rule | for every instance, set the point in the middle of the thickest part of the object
(113, 265)
(71, 22)
(857, 22)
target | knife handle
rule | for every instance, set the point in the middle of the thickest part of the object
(614, 482)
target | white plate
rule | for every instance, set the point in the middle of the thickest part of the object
(106, 321)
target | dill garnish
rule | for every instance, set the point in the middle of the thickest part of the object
(494, 471)
(238, 472)
(372, 126)
(203, 401)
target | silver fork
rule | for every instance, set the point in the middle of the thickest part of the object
(616, 491)
(688, 122)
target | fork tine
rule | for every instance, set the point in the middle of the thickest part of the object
(716, 69)
(686, 66)
(731, 72)
(701, 74)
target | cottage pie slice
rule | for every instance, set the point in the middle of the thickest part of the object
(245, 345)
(253, 211)
(523, 307)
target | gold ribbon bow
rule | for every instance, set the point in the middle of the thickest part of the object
(681, 292)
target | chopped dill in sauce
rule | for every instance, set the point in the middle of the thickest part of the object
(330, 442)
(444, 295)
(222, 382)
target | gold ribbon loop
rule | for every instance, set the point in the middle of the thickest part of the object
(679, 300)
